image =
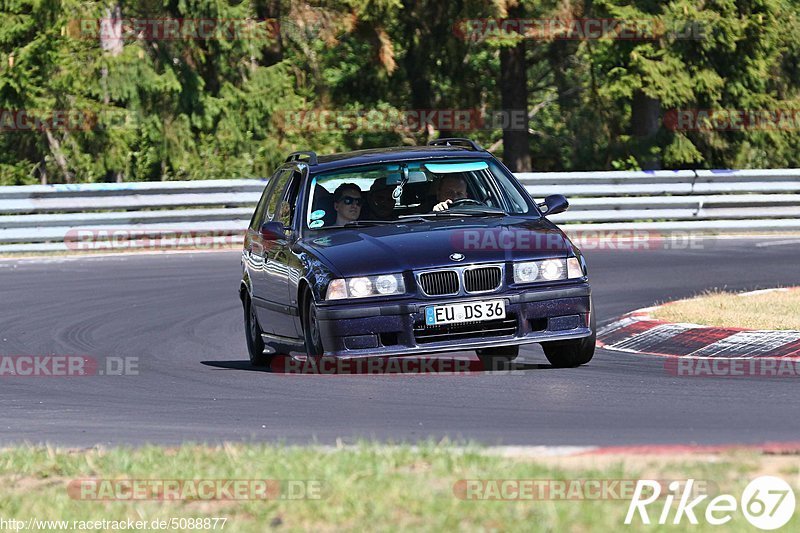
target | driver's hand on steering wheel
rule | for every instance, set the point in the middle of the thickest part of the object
(443, 206)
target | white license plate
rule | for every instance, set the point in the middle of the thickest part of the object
(437, 315)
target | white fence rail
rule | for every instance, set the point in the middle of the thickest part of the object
(686, 200)
(162, 214)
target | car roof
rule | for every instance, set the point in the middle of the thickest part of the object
(399, 153)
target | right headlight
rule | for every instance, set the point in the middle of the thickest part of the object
(366, 286)
(547, 270)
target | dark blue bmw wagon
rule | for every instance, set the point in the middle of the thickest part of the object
(411, 251)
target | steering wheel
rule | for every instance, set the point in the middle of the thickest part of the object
(466, 201)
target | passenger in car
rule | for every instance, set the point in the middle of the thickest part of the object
(380, 202)
(451, 188)
(347, 203)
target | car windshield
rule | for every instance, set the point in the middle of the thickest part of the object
(388, 192)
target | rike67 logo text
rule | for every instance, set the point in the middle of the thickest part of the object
(767, 503)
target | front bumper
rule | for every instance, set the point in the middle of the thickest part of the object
(398, 327)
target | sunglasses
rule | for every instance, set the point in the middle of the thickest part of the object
(349, 200)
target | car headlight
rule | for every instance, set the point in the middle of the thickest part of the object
(366, 286)
(547, 270)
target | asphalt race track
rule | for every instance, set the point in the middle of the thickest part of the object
(180, 316)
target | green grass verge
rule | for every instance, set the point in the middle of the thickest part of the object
(774, 310)
(366, 487)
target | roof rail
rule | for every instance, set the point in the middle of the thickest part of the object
(295, 156)
(457, 141)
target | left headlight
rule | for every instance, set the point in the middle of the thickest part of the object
(366, 286)
(547, 270)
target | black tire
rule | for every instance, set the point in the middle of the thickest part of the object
(255, 343)
(497, 358)
(572, 353)
(311, 331)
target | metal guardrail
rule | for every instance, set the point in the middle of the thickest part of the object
(213, 213)
(684, 200)
(114, 216)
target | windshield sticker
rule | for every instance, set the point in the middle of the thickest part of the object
(319, 213)
(316, 224)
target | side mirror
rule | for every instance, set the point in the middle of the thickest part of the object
(553, 204)
(273, 231)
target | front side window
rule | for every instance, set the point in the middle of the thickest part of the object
(276, 192)
(258, 214)
(387, 192)
(284, 213)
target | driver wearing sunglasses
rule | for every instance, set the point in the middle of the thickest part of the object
(347, 203)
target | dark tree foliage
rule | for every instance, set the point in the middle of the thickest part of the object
(90, 94)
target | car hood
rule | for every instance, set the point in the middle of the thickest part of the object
(415, 246)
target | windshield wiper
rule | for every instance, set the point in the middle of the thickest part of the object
(459, 213)
(482, 212)
(402, 218)
(363, 223)
(413, 218)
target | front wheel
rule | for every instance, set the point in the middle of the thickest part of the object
(498, 357)
(572, 353)
(311, 331)
(255, 342)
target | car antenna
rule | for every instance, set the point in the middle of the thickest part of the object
(398, 191)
